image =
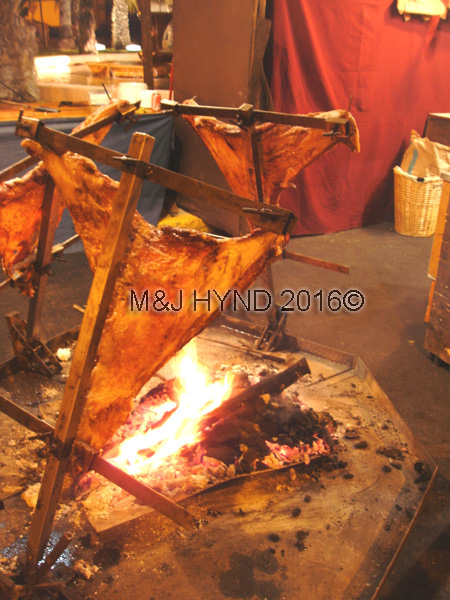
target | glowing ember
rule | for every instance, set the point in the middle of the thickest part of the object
(144, 452)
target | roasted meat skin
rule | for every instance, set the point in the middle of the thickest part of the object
(134, 345)
(21, 210)
(284, 151)
(20, 220)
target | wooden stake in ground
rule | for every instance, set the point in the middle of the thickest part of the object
(84, 357)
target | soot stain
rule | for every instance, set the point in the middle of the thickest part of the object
(240, 580)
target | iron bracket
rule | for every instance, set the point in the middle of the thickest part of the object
(31, 353)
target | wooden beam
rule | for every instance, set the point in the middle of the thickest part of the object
(74, 398)
(49, 223)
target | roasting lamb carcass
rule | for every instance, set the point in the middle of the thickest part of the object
(284, 151)
(134, 345)
(21, 209)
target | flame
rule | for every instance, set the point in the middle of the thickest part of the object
(197, 397)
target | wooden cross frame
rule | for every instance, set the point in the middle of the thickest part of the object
(63, 435)
(30, 352)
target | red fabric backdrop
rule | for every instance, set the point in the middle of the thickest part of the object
(320, 54)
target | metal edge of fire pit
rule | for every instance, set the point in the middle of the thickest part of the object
(353, 363)
(367, 579)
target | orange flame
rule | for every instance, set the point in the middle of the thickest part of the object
(197, 397)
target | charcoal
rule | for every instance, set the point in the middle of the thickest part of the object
(298, 419)
(391, 452)
(361, 445)
(223, 453)
(248, 458)
(285, 440)
(301, 536)
(423, 477)
(257, 442)
(225, 431)
(296, 512)
(269, 427)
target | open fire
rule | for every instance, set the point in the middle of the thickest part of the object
(177, 423)
(188, 433)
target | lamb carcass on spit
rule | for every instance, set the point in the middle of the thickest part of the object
(21, 209)
(134, 345)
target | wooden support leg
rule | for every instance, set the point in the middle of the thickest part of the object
(49, 223)
(84, 356)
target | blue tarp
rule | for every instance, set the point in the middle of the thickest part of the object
(152, 196)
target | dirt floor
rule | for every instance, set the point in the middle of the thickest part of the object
(255, 548)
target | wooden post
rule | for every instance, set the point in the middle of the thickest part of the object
(146, 41)
(50, 209)
(74, 398)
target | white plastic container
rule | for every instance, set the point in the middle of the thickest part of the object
(131, 91)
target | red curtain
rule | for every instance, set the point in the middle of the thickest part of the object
(319, 55)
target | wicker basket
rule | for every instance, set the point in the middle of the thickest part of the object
(416, 203)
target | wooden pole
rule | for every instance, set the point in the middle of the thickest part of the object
(49, 223)
(146, 41)
(84, 357)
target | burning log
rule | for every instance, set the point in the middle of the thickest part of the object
(269, 385)
(190, 433)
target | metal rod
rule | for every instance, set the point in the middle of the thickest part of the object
(264, 116)
(57, 248)
(316, 262)
(4, 284)
(24, 417)
(246, 349)
(53, 556)
(256, 162)
(144, 493)
(66, 244)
